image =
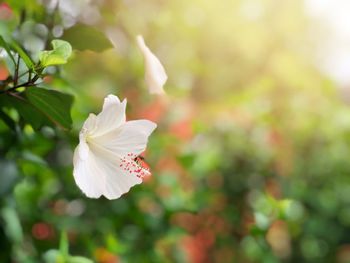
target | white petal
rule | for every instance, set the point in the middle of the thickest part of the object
(117, 180)
(101, 174)
(83, 148)
(89, 124)
(155, 75)
(87, 174)
(110, 100)
(119, 184)
(111, 116)
(103, 163)
(88, 127)
(131, 137)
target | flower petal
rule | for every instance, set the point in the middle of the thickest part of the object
(87, 174)
(113, 180)
(101, 174)
(110, 100)
(131, 137)
(111, 116)
(83, 148)
(117, 180)
(89, 124)
(155, 75)
(104, 160)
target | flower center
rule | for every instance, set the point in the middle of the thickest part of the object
(134, 164)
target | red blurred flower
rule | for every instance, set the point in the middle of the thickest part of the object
(43, 231)
(182, 129)
(3, 72)
(155, 111)
(198, 245)
(5, 12)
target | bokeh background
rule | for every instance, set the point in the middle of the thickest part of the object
(250, 160)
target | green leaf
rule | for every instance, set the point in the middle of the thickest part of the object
(84, 37)
(27, 111)
(29, 6)
(27, 60)
(78, 259)
(7, 120)
(59, 55)
(53, 256)
(9, 176)
(56, 256)
(33, 158)
(13, 225)
(7, 48)
(54, 104)
(64, 245)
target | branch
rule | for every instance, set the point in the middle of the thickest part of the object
(15, 77)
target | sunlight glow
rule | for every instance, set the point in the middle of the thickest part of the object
(334, 53)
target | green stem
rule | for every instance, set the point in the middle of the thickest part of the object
(64, 245)
(26, 72)
(15, 78)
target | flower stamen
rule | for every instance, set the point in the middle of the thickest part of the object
(134, 164)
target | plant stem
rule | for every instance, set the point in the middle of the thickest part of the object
(15, 78)
(26, 72)
(25, 84)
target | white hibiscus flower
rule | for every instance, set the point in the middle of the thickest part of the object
(155, 75)
(105, 161)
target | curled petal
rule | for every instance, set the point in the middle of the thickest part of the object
(111, 117)
(110, 100)
(155, 75)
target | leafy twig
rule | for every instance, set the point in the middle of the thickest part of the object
(29, 83)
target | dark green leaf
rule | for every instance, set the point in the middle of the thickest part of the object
(27, 111)
(7, 120)
(54, 104)
(84, 37)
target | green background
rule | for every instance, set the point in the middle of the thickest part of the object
(250, 160)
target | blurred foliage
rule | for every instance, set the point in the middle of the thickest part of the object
(250, 158)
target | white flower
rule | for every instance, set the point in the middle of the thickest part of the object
(104, 161)
(155, 75)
